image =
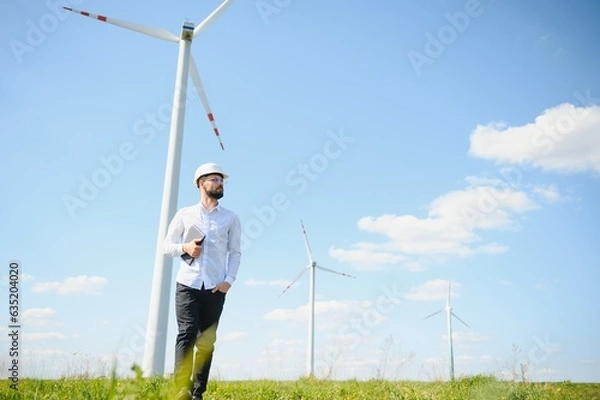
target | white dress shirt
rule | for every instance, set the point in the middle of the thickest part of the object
(221, 250)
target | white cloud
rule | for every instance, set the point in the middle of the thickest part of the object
(436, 289)
(451, 227)
(469, 337)
(481, 207)
(548, 192)
(37, 353)
(490, 248)
(365, 259)
(564, 138)
(43, 336)
(73, 285)
(278, 342)
(39, 313)
(38, 316)
(432, 360)
(232, 337)
(475, 181)
(330, 314)
(464, 357)
(414, 266)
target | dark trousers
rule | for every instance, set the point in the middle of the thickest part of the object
(198, 313)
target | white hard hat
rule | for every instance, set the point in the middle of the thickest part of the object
(207, 169)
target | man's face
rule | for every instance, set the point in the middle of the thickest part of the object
(213, 186)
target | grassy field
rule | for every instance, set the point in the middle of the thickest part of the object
(471, 388)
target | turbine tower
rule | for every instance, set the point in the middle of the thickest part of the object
(312, 266)
(156, 331)
(449, 315)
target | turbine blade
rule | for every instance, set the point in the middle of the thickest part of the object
(335, 272)
(435, 313)
(455, 316)
(294, 281)
(146, 30)
(211, 18)
(306, 242)
(200, 90)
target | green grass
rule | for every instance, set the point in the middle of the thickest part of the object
(471, 388)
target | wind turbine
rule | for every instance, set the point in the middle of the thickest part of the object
(156, 331)
(310, 362)
(449, 315)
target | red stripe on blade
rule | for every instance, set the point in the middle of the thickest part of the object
(102, 18)
(210, 117)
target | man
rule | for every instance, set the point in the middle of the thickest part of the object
(207, 270)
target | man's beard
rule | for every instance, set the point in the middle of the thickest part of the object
(215, 194)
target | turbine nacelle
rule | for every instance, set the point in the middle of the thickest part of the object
(312, 264)
(188, 31)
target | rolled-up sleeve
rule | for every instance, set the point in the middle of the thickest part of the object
(234, 252)
(172, 245)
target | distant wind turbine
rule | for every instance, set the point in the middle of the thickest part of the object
(156, 332)
(449, 315)
(310, 363)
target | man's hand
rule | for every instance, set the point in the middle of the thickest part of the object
(193, 248)
(221, 287)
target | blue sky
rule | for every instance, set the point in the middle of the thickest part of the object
(420, 143)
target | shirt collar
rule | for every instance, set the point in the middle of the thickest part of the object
(217, 207)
